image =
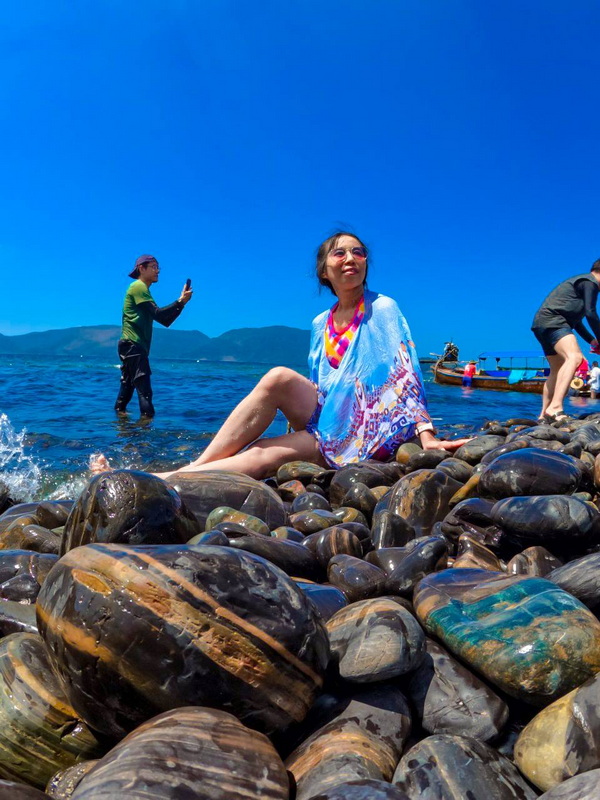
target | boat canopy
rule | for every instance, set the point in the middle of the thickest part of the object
(512, 354)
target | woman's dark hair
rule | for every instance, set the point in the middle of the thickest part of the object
(326, 247)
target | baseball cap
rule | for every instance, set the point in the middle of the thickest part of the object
(135, 273)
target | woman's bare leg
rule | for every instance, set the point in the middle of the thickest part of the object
(281, 388)
(569, 351)
(263, 458)
(555, 363)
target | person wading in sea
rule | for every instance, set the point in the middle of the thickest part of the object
(560, 314)
(139, 312)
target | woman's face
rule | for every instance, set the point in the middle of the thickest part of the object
(346, 264)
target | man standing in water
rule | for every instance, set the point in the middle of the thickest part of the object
(139, 312)
(560, 314)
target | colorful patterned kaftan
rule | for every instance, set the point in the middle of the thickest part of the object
(374, 399)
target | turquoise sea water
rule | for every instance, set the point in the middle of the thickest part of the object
(57, 411)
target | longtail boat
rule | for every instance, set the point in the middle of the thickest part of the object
(505, 370)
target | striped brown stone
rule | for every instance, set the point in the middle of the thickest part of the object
(133, 631)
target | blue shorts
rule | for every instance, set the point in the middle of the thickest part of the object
(548, 337)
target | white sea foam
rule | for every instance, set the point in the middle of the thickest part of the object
(18, 470)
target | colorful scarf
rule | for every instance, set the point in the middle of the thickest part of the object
(336, 342)
(374, 399)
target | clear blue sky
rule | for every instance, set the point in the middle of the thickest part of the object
(459, 138)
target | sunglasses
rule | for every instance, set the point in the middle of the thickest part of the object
(358, 252)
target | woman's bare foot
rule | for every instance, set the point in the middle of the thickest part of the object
(99, 463)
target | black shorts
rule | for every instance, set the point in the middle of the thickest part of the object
(134, 361)
(548, 337)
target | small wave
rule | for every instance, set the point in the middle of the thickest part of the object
(18, 470)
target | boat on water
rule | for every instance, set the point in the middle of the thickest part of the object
(504, 370)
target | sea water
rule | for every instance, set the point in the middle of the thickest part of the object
(56, 411)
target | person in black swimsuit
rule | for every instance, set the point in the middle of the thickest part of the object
(561, 313)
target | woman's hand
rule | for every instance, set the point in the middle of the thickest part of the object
(429, 442)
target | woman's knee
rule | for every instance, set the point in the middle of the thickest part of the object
(278, 379)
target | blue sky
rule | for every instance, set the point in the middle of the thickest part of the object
(459, 138)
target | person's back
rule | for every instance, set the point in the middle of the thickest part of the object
(565, 303)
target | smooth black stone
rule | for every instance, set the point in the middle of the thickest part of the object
(573, 449)
(291, 557)
(448, 698)
(22, 572)
(426, 459)
(530, 471)
(545, 433)
(302, 471)
(53, 514)
(507, 447)
(563, 524)
(362, 741)
(371, 473)
(20, 510)
(22, 534)
(527, 421)
(456, 468)
(422, 498)
(365, 789)
(362, 533)
(533, 561)
(457, 768)
(388, 558)
(18, 791)
(391, 530)
(289, 534)
(309, 501)
(128, 507)
(588, 436)
(324, 597)
(317, 519)
(328, 543)
(290, 490)
(375, 640)
(202, 492)
(423, 557)
(215, 537)
(581, 578)
(580, 787)
(356, 578)
(314, 488)
(346, 514)
(17, 618)
(361, 498)
(473, 451)
(232, 529)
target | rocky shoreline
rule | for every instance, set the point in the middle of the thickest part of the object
(425, 629)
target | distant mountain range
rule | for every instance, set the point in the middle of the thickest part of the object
(277, 344)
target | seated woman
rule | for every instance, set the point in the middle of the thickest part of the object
(365, 395)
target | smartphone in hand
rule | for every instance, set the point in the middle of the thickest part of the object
(188, 284)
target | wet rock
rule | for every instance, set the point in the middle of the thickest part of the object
(581, 787)
(472, 554)
(456, 468)
(325, 598)
(375, 640)
(39, 732)
(288, 534)
(366, 789)
(364, 741)
(128, 507)
(565, 525)
(199, 753)
(422, 497)
(214, 537)
(291, 557)
(203, 491)
(302, 471)
(22, 534)
(247, 522)
(588, 436)
(563, 740)
(62, 785)
(9, 790)
(525, 635)
(357, 579)
(308, 522)
(533, 561)
(422, 556)
(581, 578)
(530, 471)
(16, 617)
(290, 490)
(361, 498)
(345, 514)
(331, 542)
(426, 459)
(406, 450)
(507, 447)
(310, 501)
(22, 572)
(390, 530)
(370, 473)
(448, 698)
(474, 450)
(53, 514)
(455, 768)
(134, 630)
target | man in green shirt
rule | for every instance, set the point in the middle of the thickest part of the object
(139, 312)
